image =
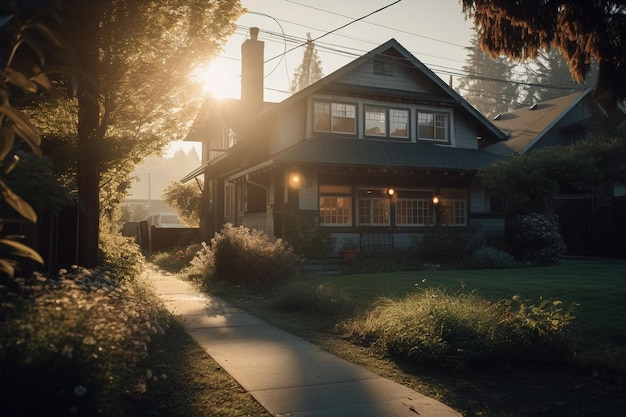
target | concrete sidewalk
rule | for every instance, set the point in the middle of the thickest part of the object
(284, 373)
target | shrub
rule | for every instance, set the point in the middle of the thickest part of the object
(303, 233)
(442, 246)
(76, 344)
(492, 258)
(535, 239)
(120, 254)
(243, 256)
(436, 328)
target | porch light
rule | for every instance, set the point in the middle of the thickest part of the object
(435, 199)
(295, 180)
(391, 191)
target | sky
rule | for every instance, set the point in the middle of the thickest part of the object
(435, 31)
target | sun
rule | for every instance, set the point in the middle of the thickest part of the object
(218, 78)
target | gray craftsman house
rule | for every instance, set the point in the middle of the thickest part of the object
(380, 147)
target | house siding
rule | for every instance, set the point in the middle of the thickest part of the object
(289, 127)
(401, 79)
(465, 135)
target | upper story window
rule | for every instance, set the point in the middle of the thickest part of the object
(334, 117)
(385, 122)
(432, 126)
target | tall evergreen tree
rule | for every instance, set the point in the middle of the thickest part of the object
(487, 85)
(548, 77)
(310, 70)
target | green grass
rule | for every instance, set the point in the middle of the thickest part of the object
(597, 286)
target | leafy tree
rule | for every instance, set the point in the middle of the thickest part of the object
(582, 31)
(488, 85)
(186, 199)
(310, 70)
(132, 61)
(525, 182)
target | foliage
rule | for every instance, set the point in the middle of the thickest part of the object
(25, 35)
(582, 31)
(310, 70)
(526, 181)
(535, 239)
(119, 253)
(489, 86)
(77, 342)
(434, 327)
(303, 233)
(245, 256)
(186, 200)
(441, 245)
(489, 257)
(127, 106)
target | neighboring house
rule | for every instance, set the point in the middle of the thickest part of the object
(365, 150)
(590, 224)
(560, 121)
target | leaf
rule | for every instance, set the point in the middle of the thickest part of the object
(7, 139)
(7, 266)
(20, 80)
(19, 249)
(19, 205)
(23, 127)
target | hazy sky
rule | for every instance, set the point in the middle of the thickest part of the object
(435, 31)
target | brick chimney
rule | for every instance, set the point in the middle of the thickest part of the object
(252, 73)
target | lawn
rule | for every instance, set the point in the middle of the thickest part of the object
(598, 287)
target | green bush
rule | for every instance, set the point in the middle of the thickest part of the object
(73, 346)
(243, 256)
(491, 258)
(120, 253)
(535, 239)
(436, 328)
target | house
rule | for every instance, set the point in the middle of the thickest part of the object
(380, 147)
(590, 224)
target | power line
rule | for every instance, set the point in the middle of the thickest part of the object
(339, 28)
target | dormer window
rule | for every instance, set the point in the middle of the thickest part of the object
(329, 117)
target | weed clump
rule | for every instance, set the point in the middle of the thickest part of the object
(433, 327)
(239, 255)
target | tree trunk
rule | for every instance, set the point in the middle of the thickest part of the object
(90, 134)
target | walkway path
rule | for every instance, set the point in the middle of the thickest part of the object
(284, 373)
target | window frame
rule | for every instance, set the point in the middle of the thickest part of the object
(387, 122)
(434, 113)
(335, 192)
(333, 116)
(447, 202)
(372, 196)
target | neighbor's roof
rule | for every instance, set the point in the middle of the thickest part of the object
(525, 127)
(384, 154)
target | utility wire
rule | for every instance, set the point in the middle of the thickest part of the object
(339, 28)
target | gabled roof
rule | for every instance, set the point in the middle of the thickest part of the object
(384, 154)
(383, 49)
(526, 126)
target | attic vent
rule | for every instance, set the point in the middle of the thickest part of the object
(384, 66)
(533, 106)
(497, 116)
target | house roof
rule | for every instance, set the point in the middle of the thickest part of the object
(331, 151)
(526, 126)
